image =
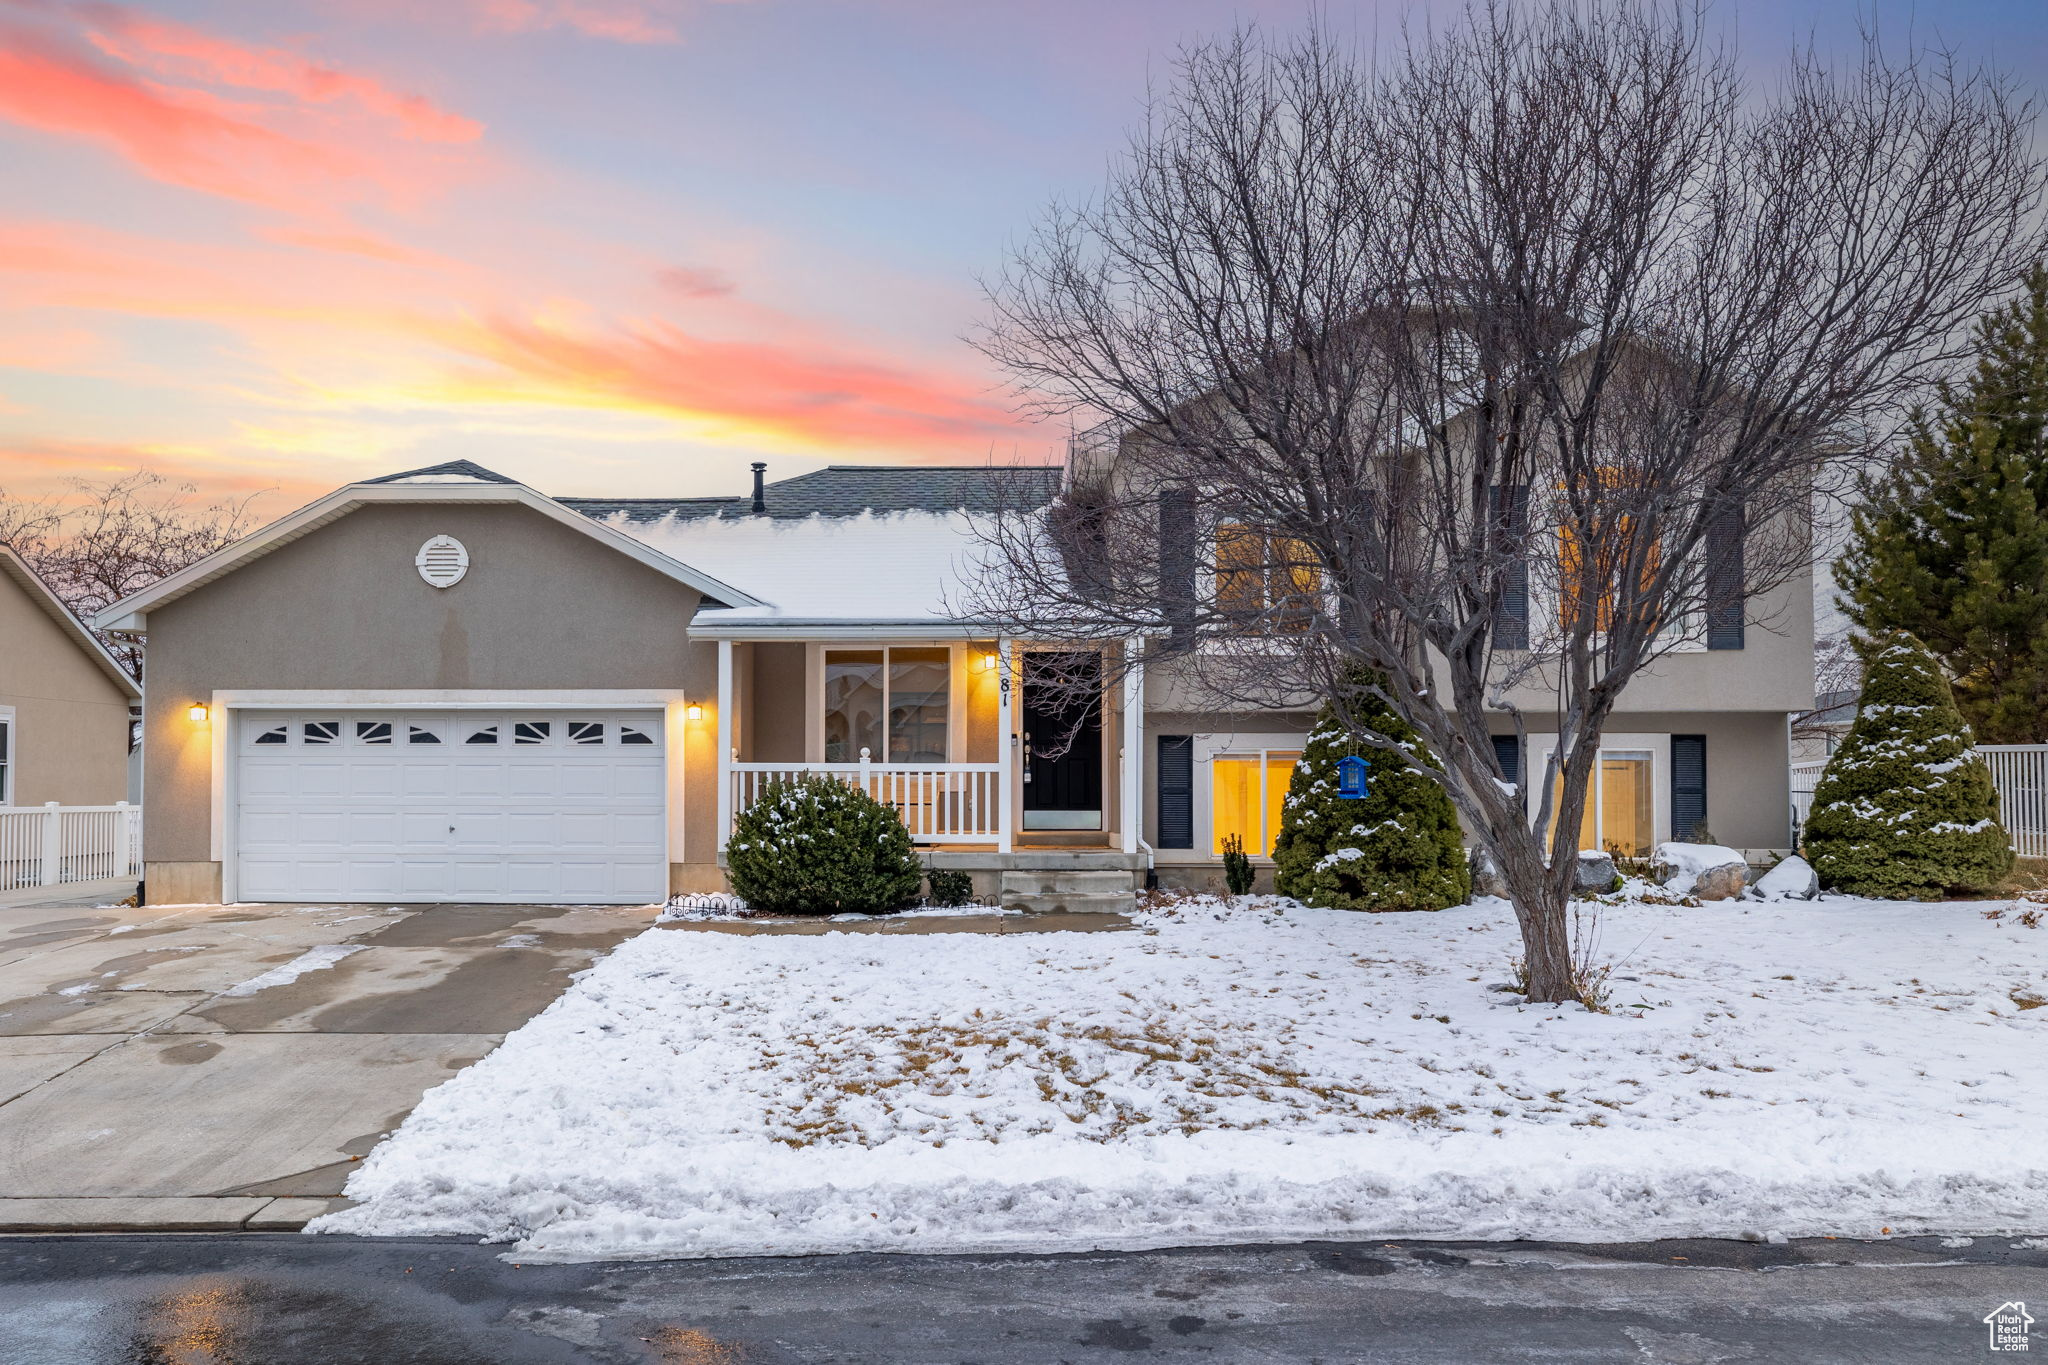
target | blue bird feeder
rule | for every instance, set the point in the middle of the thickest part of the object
(1351, 778)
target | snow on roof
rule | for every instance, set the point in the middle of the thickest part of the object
(894, 568)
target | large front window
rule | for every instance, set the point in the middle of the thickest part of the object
(893, 704)
(1245, 794)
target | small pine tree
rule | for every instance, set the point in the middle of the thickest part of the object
(814, 845)
(1950, 543)
(1905, 808)
(1398, 849)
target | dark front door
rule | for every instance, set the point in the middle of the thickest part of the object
(1062, 741)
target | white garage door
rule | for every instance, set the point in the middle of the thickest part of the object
(450, 806)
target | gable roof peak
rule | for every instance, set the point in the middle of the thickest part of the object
(449, 471)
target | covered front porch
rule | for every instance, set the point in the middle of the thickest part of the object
(973, 741)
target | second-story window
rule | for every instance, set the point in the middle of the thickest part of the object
(1593, 561)
(1263, 576)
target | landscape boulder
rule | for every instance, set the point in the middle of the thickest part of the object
(1708, 872)
(1595, 874)
(1486, 878)
(1793, 879)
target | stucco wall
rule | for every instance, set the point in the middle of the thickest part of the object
(776, 730)
(1748, 772)
(543, 606)
(70, 718)
(1747, 776)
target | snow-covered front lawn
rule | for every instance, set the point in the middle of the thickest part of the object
(1257, 1072)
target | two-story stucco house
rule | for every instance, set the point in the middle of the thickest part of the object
(64, 701)
(443, 685)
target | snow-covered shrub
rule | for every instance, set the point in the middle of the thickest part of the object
(813, 845)
(1906, 808)
(1397, 849)
(949, 887)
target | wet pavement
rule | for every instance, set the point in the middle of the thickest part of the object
(159, 1071)
(294, 1300)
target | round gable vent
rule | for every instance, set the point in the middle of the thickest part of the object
(442, 561)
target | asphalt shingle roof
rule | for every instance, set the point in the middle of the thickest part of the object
(847, 490)
(453, 469)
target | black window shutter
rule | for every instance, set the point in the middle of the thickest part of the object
(1688, 785)
(1508, 754)
(1511, 530)
(1177, 557)
(1725, 573)
(1176, 791)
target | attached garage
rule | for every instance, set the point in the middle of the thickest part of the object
(512, 806)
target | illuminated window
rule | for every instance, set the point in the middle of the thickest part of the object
(1618, 817)
(894, 703)
(1587, 577)
(1258, 573)
(1245, 794)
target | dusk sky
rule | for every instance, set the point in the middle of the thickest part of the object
(604, 246)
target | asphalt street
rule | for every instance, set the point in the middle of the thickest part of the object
(284, 1299)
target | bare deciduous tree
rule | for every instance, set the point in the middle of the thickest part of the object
(1497, 367)
(110, 538)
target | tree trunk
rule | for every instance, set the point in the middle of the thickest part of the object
(1542, 903)
(1547, 949)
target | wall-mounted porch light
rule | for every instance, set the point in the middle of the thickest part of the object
(196, 713)
(694, 711)
(985, 662)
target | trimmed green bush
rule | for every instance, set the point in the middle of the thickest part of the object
(1238, 875)
(813, 845)
(1905, 808)
(1400, 848)
(949, 887)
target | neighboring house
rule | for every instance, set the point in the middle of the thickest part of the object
(64, 701)
(445, 686)
(1817, 733)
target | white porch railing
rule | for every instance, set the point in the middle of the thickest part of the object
(49, 845)
(941, 803)
(2018, 771)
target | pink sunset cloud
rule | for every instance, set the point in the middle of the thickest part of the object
(178, 52)
(798, 394)
(254, 124)
(620, 21)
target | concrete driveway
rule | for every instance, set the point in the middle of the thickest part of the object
(221, 1067)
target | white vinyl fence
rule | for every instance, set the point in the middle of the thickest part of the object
(2019, 771)
(49, 845)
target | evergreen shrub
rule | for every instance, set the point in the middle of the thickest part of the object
(813, 845)
(1905, 809)
(949, 887)
(1400, 848)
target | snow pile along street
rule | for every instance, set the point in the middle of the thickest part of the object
(1258, 1072)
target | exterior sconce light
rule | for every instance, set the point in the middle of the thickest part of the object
(694, 711)
(196, 713)
(986, 662)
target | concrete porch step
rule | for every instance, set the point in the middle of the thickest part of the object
(1072, 902)
(1065, 881)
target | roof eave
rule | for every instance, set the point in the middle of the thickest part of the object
(53, 606)
(132, 612)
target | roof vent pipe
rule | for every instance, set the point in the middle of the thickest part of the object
(760, 492)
